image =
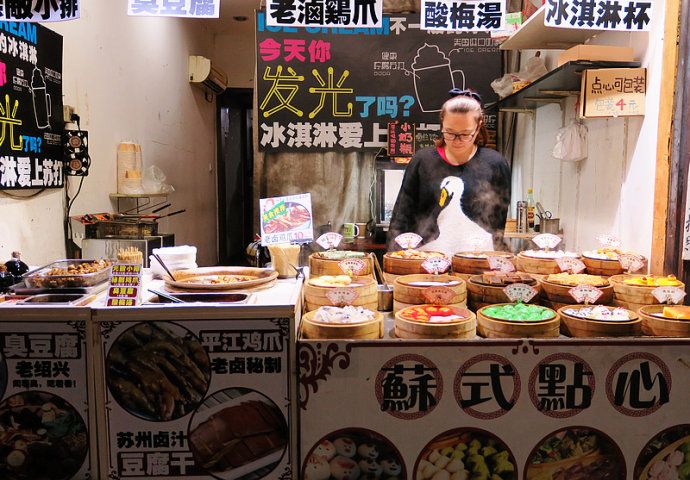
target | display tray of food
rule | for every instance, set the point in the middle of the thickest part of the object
(69, 274)
(221, 278)
(340, 290)
(635, 291)
(599, 321)
(411, 290)
(665, 320)
(556, 286)
(542, 262)
(487, 289)
(605, 261)
(329, 262)
(510, 320)
(407, 262)
(347, 322)
(435, 321)
(476, 262)
(672, 461)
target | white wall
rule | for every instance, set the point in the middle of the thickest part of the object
(127, 78)
(611, 191)
(235, 52)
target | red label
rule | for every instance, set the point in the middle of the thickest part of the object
(569, 264)
(436, 265)
(520, 292)
(672, 295)
(585, 294)
(438, 295)
(123, 292)
(408, 240)
(501, 264)
(340, 297)
(353, 266)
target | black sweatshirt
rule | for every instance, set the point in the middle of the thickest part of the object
(484, 201)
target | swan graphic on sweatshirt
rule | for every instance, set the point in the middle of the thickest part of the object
(457, 232)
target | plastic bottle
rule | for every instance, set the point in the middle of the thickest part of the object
(530, 209)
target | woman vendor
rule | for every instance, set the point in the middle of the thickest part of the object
(455, 195)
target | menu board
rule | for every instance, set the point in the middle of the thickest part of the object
(286, 219)
(323, 89)
(30, 107)
(212, 400)
(44, 414)
(511, 409)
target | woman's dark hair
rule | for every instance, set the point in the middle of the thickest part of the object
(464, 101)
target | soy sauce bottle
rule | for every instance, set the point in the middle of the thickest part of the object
(6, 279)
(16, 267)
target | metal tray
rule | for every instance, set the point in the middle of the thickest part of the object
(53, 299)
(39, 278)
(207, 297)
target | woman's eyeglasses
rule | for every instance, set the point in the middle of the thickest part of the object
(463, 137)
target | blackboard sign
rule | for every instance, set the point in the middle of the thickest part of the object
(30, 107)
(323, 89)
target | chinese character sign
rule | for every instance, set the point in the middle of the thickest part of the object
(323, 13)
(286, 219)
(31, 122)
(322, 89)
(613, 92)
(44, 404)
(622, 15)
(469, 16)
(39, 10)
(174, 8)
(401, 139)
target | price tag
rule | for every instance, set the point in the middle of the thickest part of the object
(585, 294)
(631, 262)
(353, 266)
(546, 241)
(570, 264)
(520, 292)
(436, 265)
(501, 264)
(329, 240)
(608, 241)
(408, 240)
(340, 297)
(124, 286)
(438, 295)
(669, 295)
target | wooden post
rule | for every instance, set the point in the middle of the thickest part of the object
(664, 135)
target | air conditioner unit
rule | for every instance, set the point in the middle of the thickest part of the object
(203, 72)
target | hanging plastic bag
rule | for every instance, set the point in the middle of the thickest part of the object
(504, 86)
(154, 181)
(534, 68)
(571, 142)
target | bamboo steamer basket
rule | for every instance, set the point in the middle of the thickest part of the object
(405, 295)
(558, 293)
(584, 327)
(403, 266)
(494, 328)
(605, 267)
(541, 266)
(323, 266)
(662, 327)
(475, 266)
(464, 328)
(481, 295)
(372, 329)
(634, 294)
(366, 288)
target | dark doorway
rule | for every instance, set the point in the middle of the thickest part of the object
(235, 173)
